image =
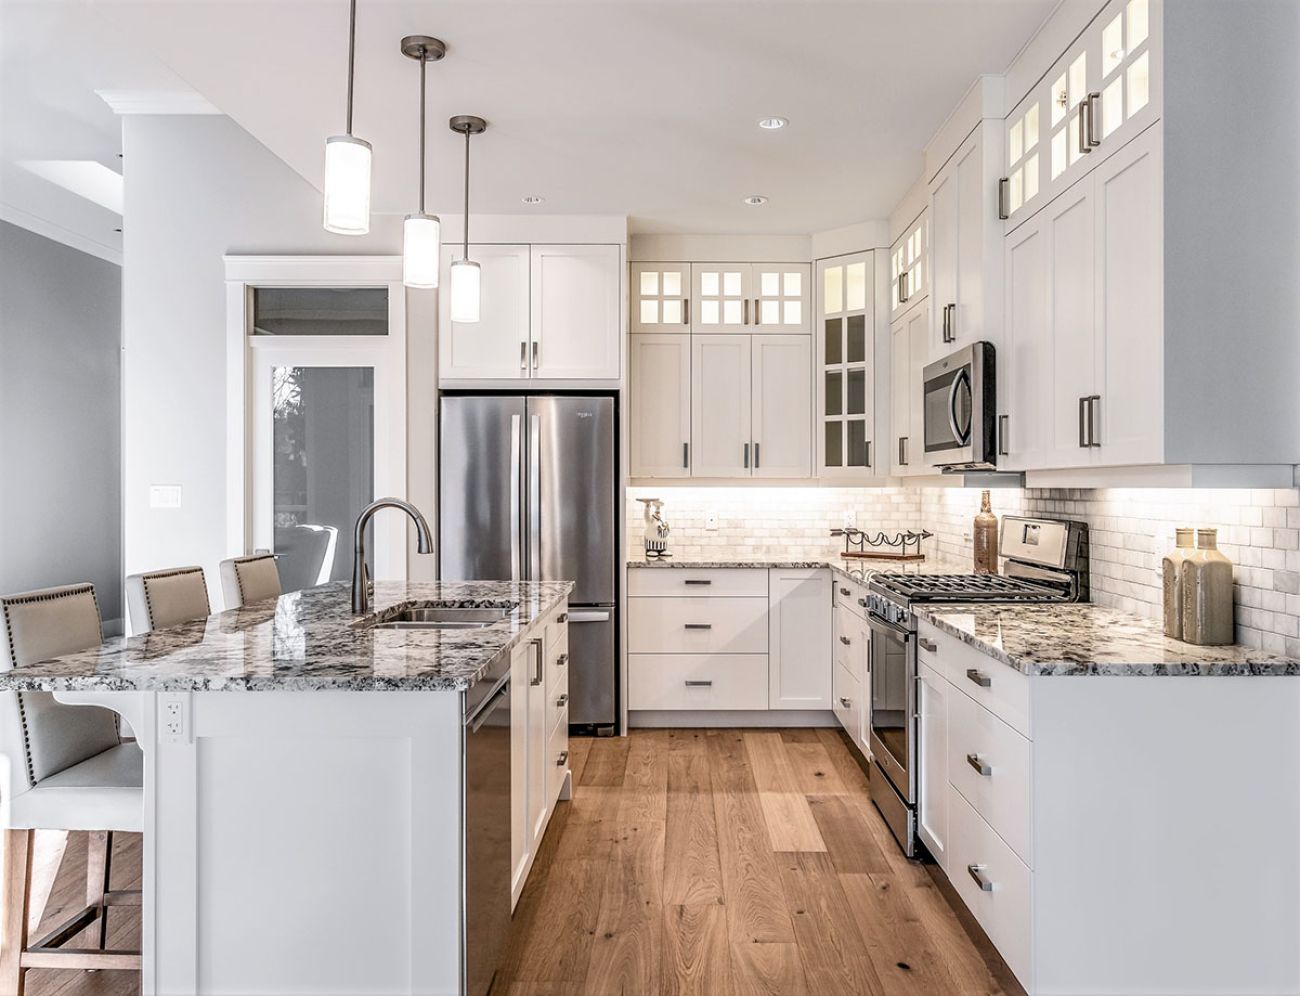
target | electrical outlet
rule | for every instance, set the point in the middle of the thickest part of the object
(174, 717)
(711, 520)
(850, 518)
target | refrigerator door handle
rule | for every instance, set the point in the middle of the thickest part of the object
(534, 497)
(586, 616)
(516, 469)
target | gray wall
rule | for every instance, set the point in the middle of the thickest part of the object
(60, 418)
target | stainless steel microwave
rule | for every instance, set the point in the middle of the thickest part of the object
(959, 399)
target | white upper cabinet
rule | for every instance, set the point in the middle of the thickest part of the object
(966, 246)
(575, 312)
(910, 353)
(547, 313)
(496, 346)
(781, 400)
(660, 388)
(720, 400)
(909, 267)
(661, 297)
(750, 297)
(846, 366)
(1023, 393)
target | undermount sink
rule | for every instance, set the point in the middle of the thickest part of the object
(441, 617)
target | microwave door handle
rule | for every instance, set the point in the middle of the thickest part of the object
(957, 434)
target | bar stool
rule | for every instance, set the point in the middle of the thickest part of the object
(67, 770)
(249, 579)
(158, 599)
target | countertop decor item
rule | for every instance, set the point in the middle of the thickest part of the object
(986, 537)
(1207, 593)
(1171, 568)
(656, 529)
(907, 544)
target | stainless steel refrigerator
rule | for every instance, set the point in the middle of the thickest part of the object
(527, 487)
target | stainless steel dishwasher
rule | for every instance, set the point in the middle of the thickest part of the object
(485, 871)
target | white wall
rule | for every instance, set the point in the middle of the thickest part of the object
(60, 439)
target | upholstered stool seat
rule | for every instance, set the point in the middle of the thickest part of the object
(158, 599)
(103, 792)
(249, 579)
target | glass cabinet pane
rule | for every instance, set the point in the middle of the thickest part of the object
(320, 311)
(857, 336)
(834, 342)
(833, 290)
(857, 392)
(856, 287)
(834, 444)
(834, 394)
(672, 283)
(857, 443)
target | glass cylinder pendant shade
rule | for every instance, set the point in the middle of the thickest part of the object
(421, 239)
(347, 185)
(464, 291)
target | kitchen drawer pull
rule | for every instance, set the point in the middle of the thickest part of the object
(845, 592)
(562, 660)
(979, 677)
(844, 640)
(975, 762)
(977, 873)
(862, 602)
(929, 646)
(563, 617)
(699, 625)
(563, 759)
(846, 703)
(698, 581)
(699, 684)
(562, 701)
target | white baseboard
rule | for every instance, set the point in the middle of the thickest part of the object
(747, 718)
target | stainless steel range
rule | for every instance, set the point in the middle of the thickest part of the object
(1045, 560)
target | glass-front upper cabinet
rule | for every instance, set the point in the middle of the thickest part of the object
(661, 297)
(750, 297)
(909, 267)
(846, 365)
(1098, 95)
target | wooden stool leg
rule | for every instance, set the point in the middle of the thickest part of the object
(13, 907)
(99, 862)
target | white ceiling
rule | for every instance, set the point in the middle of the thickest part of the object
(639, 107)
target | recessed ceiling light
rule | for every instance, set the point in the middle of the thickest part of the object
(755, 200)
(772, 124)
(533, 199)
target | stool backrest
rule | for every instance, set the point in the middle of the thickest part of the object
(249, 579)
(38, 735)
(158, 599)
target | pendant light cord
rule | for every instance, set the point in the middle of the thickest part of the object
(352, 57)
(466, 225)
(421, 131)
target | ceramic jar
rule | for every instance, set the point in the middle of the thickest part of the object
(1207, 593)
(1184, 545)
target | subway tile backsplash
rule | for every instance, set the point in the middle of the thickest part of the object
(1130, 530)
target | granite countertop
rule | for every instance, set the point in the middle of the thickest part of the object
(858, 570)
(1087, 639)
(307, 641)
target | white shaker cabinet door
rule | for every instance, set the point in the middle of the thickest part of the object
(576, 326)
(539, 803)
(720, 406)
(1024, 394)
(1071, 304)
(932, 691)
(945, 248)
(661, 297)
(782, 297)
(660, 384)
(496, 346)
(900, 396)
(781, 383)
(720, 297)
(799, 639)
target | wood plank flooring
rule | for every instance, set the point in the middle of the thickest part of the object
(710, 862)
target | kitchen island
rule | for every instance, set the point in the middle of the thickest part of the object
(308, 779)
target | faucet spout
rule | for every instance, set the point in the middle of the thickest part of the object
(361, 586)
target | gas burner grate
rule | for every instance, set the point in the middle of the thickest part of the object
(961, 587)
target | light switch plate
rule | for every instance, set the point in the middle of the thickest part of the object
(164, 496)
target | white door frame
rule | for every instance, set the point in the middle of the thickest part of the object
(248, 357)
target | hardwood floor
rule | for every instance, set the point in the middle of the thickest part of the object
(730, 863)
(711, 862)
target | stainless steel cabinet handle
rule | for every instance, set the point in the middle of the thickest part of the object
(538, 673)
(979, 677)
(699, 625)
(562, 701)
(1091, 102)
(1093, 401)
(563, 759)
(699, 684)
(536, 354)
(746, 457)
(758, 313)
(845, 592)
(694, 581)
(744, 303)
(523, 355)
(1083, 436)
(902, 451)
(686, 304)
(974, 761)
(1003, 183)
(950, 323)
(1004, 424)
(862, 602)
(562, 660)
(977, 873)
(868, 443)
(686, 455)
(756, 446)
(1084, 146)
(846, 703)
(563, 617)
(844, 640)
(904, 293)
(927, 645)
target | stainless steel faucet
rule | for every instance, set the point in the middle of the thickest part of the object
(361, 586)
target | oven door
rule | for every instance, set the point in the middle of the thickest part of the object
(893, 704)
(958, 406)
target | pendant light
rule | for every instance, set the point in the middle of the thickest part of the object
(421, 233)
(464, 271)
(347, 165)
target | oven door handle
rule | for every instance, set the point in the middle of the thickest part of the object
(889, 628)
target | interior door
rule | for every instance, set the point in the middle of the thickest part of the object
(781, 406)
(720, 406)
(496, 346)
(722, 293)
(1071, 304)
(1024, 399)
(576, 296)
(660, 387)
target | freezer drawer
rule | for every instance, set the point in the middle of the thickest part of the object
(592, 665)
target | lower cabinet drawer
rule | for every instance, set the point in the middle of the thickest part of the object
(998, 687)
(846, 701)
(697, 681)
(847, 594)
(556, 760)
(557, 665)
(684, 625)
(993, 883)
(989, 764)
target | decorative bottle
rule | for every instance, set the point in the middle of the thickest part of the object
(986, 537)
(1172, 564)
(1207, 593)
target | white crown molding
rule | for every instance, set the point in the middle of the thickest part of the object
(157, 102)
(57, 233)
